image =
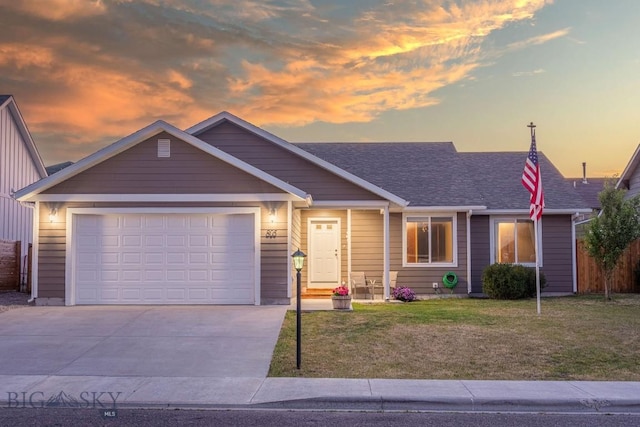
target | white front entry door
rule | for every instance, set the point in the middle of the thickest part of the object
(324, 249)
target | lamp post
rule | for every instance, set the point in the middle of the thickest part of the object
(298, 262)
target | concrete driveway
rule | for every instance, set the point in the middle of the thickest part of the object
(140, 341)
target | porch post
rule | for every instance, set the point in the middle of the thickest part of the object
(349, 247)
(385, 261)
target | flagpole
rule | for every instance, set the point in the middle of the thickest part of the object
(535, 234)
(536, 217)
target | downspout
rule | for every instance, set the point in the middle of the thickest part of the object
(574, 253)
(385, 261)
(469, 213)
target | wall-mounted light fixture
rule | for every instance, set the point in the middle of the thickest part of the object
(272, 216)
(53, 214)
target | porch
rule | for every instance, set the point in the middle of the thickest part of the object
(339, 242)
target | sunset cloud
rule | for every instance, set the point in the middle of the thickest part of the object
(87, 72)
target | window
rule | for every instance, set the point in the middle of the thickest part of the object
(514, 241)
(430, 240)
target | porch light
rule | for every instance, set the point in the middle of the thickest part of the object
(298, 259)
(272, 216)
(53, 214)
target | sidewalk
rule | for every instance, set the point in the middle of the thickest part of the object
(320, 394)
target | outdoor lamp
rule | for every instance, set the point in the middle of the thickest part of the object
(298, 259)
(298, 262)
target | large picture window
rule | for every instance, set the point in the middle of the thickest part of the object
(429, 240)
(514, 241)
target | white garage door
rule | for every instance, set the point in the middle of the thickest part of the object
(164, 259)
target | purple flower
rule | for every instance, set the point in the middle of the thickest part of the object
(404, 293)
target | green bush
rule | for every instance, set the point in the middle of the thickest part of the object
(508, 281)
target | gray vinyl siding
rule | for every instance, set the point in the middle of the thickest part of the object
(17, 170)
(421, 279)
(480, 250)
(51, 254)
(273, 251)
(139, 170)
(296, 243)
(634, 184)
(557, 254)
(557, 261)
(367, 243)
(304, 238)
(279, 162)
(367, 253)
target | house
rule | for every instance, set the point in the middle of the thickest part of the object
(630, 178)
(20, 165)
(212, 214)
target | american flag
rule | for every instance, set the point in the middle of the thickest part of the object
(532, 181)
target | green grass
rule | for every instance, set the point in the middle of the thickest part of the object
(578, 338)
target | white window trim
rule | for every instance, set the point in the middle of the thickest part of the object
(492, 237)
(453, 215)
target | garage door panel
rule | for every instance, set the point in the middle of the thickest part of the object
(131, 258)
(164, 258)
(110, 276)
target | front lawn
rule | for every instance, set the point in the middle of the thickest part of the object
(575, 338)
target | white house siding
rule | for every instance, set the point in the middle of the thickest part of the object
(17, 170)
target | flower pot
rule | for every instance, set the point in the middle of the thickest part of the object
(341, 302)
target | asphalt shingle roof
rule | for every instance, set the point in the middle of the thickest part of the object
(589, 191)
(435, 174)
(4, 98)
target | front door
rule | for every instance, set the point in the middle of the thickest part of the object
(324, 253)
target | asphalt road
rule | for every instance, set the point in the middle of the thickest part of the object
(171, 417)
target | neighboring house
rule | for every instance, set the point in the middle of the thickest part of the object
(20, 165)
(212, 214)
(589, 189)
(630, 178)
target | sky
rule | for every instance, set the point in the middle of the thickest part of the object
(86, 73)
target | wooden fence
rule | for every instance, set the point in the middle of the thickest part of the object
(625, 276)
(9, 265)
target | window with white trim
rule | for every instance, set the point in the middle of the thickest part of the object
(514, 241)
(429, 240)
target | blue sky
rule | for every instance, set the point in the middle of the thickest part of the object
(87, 73)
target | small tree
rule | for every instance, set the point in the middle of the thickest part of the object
(611, 232)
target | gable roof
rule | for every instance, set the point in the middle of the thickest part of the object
(139, 136)
(328, 165)
(8, 102)
(435, 174)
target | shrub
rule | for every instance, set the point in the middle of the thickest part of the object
(508, 281)
(403, 293)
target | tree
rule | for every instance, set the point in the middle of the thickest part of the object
(612, 231)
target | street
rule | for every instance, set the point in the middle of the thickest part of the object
(282, 418)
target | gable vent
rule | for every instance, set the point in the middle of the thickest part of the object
(164, 148)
